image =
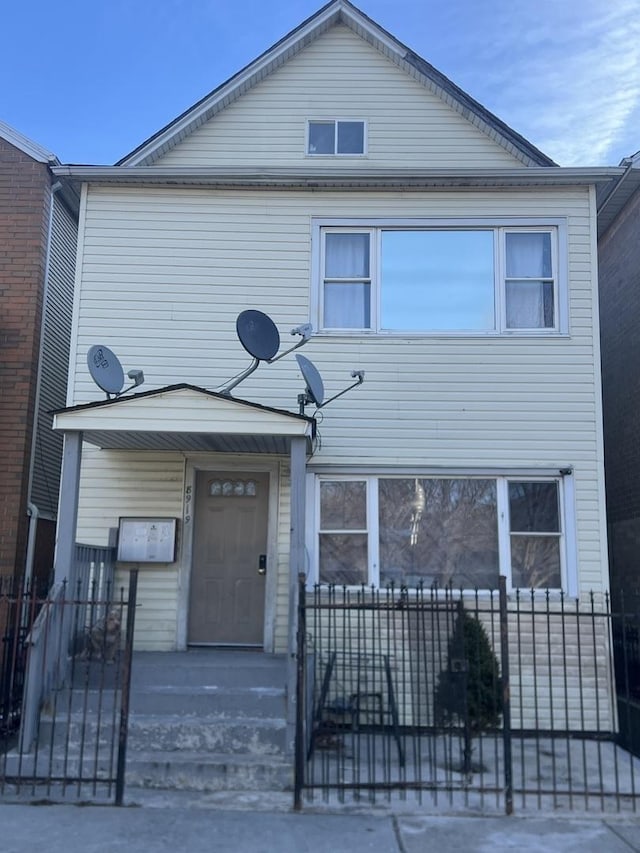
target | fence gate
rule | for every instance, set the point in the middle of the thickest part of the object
(65, 666)
(480, 701)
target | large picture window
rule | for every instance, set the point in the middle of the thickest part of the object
(439, 279)
(439, 531)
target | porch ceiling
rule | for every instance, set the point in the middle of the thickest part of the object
(185, 418)
(189, 442)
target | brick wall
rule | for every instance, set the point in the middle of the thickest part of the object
(619, 263)
(24, 223)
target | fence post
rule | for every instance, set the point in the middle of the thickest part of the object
(126, 687)
(506, 698)
(300, 749)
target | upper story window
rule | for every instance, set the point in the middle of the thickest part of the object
(440, 279)
(336, 137)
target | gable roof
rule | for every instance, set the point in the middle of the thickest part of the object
(185, 417)
(334, 13)
(26, 145)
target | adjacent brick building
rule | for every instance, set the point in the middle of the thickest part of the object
(619, 281)
(38, 232)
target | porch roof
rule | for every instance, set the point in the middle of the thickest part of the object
(186, 418)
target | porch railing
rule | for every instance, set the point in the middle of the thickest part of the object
(73, 667)
(58, 626)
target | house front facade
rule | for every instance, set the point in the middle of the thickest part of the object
(338, 181)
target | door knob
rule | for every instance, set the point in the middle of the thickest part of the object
(262, 564)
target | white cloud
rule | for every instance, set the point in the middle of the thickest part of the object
(566, 74)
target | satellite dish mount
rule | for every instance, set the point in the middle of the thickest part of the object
(259, 335)
(314, 392)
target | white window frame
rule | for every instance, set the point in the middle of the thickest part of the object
(566, 500)
(556, 226)
(336, 122)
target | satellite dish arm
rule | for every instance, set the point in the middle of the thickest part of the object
(359, 376)
(253, 366)
(306, 330)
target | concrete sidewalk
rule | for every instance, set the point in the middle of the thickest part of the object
(183, 829)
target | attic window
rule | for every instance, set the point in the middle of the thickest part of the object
(336, 137)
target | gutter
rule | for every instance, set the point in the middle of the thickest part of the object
(616, 186)
(360, 178)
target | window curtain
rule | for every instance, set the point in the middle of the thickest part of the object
(346, 303)
(529, 302)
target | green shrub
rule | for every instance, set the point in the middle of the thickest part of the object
(469, 690)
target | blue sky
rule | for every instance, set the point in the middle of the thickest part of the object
(92, 79)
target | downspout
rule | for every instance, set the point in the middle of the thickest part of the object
(34, 514)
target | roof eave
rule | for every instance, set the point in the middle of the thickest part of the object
(26, 145)
(362, 178)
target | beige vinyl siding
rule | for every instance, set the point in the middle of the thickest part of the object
(166, 271)
(339, 76)
(115, 484)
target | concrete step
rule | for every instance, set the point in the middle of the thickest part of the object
(206, 720)
(237, 701)
(252, 735)
(180, 771)
(194, 771)
(216, 668)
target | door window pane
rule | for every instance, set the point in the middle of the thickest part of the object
(438, 531)
(437, 280)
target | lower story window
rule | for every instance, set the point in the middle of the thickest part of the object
(438, 530)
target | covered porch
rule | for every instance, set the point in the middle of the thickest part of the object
(208, 435)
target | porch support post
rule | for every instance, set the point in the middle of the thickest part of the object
(297, 564)
(64, 560)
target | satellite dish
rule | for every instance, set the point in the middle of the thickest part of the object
(106, 371)
(258, 334)
(314, 392)
(311, 375)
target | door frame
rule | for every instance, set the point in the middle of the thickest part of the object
(232, 464)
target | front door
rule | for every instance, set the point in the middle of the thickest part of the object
(227, 591)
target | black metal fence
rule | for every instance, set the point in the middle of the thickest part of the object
(65, 664)
(482, 701)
